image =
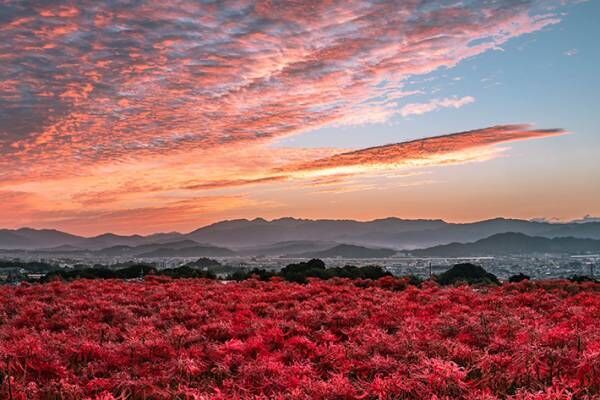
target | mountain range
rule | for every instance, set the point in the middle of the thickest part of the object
(294, 236)
(512, 244)
(347, 251)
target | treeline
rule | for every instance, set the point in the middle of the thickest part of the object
(134, 271)
(31, 266)
(299, 272)
(294, 272)
(314, 268)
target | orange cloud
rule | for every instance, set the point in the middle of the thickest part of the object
(169, 193)
(452, 148)
(234, 182)
(117, 113)
(168, 216)
(113, 82)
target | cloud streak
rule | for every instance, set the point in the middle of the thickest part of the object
(431, 151)
(435, 104)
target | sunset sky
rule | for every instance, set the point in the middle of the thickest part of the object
(154, 116)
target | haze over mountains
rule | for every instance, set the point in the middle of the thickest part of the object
(348, 251)
(290, 236)
(503, 244)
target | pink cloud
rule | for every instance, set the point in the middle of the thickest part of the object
(430, 151)
(170, 193)
(135, 82)
(129, 111)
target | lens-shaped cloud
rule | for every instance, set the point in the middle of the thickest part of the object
(431, 151)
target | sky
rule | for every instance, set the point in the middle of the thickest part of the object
(153, 116)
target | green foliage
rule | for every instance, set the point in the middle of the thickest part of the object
(518, 278)
(32, 266)
(582, 278)
(467, 273)
(130, 272)
(186, 272)
(314, 268)
(242, 275)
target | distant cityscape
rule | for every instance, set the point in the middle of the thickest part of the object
(423, 248)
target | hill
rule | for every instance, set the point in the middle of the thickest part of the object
(194, 251)
(287, 247)
(512, 243)
(259, 232)
(389, 232)
(467, 273)
(347, 251)
(144, 248)
(27, 238)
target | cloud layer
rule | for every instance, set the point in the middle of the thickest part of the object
(128, 111)
(432, 105)
(109, 81)
(181, 194)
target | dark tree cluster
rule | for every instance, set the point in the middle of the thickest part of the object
(518, 278)
(31, 266)
(298, 272)
(134, 271)
(467, 273)
(314, 268)
(582, 278)
(130, 272)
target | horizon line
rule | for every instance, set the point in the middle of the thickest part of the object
(581, 220)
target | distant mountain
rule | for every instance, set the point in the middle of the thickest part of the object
(347, 251)
(179, 244)
(389, 232)
(588, 230)
(27, 238)
(288, 247)
(195, 251)
(259, 236)
(109, 240)
(53, 240)
(63, 248)
(114, 251)
(257, 232)
(11, 240)
(204, 262)
(512, 244)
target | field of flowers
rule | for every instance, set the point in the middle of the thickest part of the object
(335, 339)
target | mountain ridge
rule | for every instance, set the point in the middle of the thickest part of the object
(512, 243)
(347, 251)
(390, 232)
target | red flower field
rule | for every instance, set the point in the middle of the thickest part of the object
(336, 339)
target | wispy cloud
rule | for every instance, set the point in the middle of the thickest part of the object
(434, 104)
(233, 182)
(571, 52)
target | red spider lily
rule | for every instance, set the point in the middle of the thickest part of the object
(337, 339)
